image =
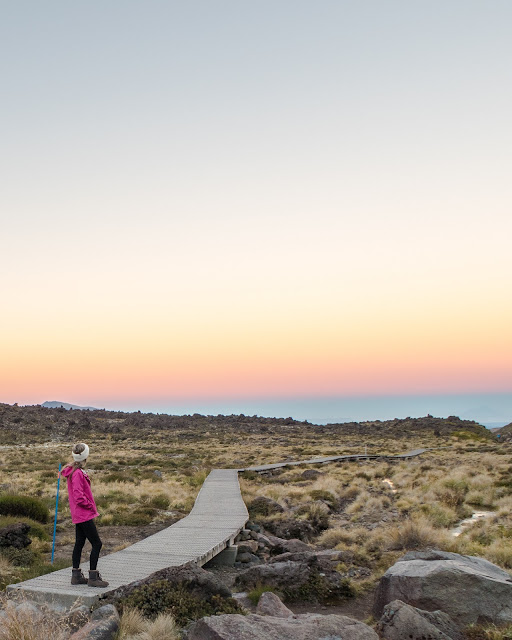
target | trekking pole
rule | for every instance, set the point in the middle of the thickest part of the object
(56, 510)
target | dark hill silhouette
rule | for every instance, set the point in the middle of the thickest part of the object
(39, 423)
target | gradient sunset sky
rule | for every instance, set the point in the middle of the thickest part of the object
(225, 198)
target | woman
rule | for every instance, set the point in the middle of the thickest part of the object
(83, 511)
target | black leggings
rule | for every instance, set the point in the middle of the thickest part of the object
(86, 531)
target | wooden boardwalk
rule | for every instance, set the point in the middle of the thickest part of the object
(218, 515)
(324, 460)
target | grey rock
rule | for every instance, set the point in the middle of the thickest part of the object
(290, 528)
(263, 539)
(243, 600)
(265, 506)
(311, 474)
(106, 611)
(468, 589)
(245, 534)
(301, 627)
(245, 557)
(400, 620)
(198, 581)
(271, 605)
(249, 546)
(297, 580)
(280, 545)
(104, 629)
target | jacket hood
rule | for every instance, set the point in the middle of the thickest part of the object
(66, 471)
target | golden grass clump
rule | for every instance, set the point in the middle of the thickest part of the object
(489, 632)
(415, 534)
(25, 625)
(132, 622)
(343, 536)
(133, 626)
(368, 506)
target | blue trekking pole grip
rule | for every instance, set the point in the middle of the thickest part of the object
(56, 511)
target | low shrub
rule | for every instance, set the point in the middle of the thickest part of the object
(138, 517)
(195, 480)
(164, 597)
(11, 505)
(439, 515)
(160, 501)
(318, 589)
(19, 557)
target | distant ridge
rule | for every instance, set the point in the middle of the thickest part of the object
(55, 404)
(505, 433)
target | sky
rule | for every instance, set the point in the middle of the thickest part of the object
(273, 199)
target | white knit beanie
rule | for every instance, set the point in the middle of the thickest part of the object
(80, 457)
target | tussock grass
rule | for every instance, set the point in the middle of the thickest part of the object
(133, 626)
(415, 534)
(489, 632)
(24, 625)
(347, 537)
(434, 492)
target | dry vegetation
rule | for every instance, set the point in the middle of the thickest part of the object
(146, 476)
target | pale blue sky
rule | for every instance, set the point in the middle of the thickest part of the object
(257, 165)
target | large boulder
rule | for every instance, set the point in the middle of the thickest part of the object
(468, 589)
(280, 545)
(301, 627)
(103, 625)
(289, 528)
(199, 582)
(400, 620)
(304, 579)
(270, 605)
(264, 506)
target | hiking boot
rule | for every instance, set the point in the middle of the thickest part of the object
(77, 577)
(95, 580)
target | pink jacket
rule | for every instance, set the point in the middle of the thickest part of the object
(81, 502)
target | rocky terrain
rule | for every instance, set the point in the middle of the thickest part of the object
(346, 549)
(44, 423)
